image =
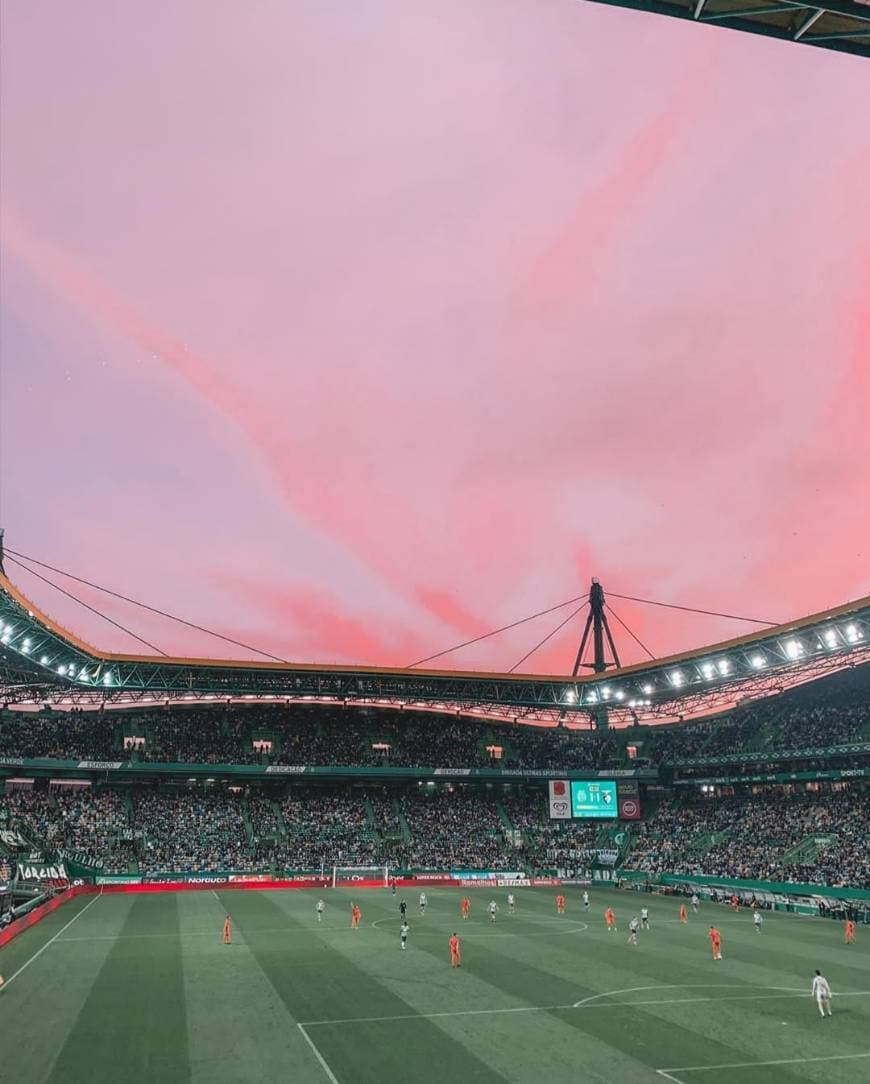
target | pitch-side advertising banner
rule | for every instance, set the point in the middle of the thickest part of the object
(560, 800)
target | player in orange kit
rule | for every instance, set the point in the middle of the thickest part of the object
(455, 953)
(560, 905)
(355, 915)
(227, 930)
(715, 942)
(850, 931)
(735, 903)
(465, 906)
(610, 919)
(684, 914)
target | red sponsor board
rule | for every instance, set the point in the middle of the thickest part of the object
(34, 916)
(201, 886)
(629, 808)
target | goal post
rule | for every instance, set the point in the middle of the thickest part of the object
(343, 876)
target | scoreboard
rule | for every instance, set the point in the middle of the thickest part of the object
(594, 798)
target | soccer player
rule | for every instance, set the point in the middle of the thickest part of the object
(455, 954)
(822, 993)
(610, 919)
(850, 931)
(465, 906)
(403, 934)
(695, 902)
(403, 909)
(644, 918)
(493, 907)
(423, 902)
(684, 914)
(735, 903)
(227, 930)
(393, 884)
(560, 904)
(715, 942)
(511, 903)
(585, 901)
(355, 915)
(321, 906)
(633, 927)
(757, 920)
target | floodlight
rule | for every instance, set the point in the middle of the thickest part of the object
(677, 678)
(620, 695)
(605, 691)
(724, 667)
(707, 670)
(794, 649)
(853, 634)
(592, 697)
(107, 678)
(570, 696)
(44, 660)
(647, 689)
(830, 637)
(61, 669)
(758, 661)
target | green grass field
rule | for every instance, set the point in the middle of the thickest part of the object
(136, 988)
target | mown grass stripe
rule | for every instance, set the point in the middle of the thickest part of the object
(132, 1025)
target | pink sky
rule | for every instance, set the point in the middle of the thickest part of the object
(356, 330)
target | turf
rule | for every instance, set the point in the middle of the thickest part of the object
(140, 988)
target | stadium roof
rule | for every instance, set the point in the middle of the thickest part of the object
(843, 25)
(40, 661)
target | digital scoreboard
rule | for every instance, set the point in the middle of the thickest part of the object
(594, 798)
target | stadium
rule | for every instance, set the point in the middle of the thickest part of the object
(136, 816)
(434, 502)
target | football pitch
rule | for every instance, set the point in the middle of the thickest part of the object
(138, 988)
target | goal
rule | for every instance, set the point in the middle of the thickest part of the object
(351, 875)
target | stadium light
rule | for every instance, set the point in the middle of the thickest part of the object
(570, 696)
(44, 660)
(830, 638)
(620, 695)
(794, 649)
(677, 678)
(724, 667)
(61, 669)
(853, 634)
(758, 662)
(647, 689)
(708, 670)
(107, 678)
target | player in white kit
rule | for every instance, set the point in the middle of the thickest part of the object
(644, 918)
(403, 935)
(511, 903)
(320, 908)
(423, 902)
(695, 902)
(493, 907)
(585, 901)
(822, 993)
(757, 920)
(633, 927)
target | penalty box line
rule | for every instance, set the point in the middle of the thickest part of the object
(566, 1008)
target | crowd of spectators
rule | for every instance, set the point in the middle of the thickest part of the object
(316, 736)
(754, 837)
(192, 831)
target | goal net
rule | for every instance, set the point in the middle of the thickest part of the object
(351, 875)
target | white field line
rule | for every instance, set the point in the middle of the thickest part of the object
(51, 941)
(756, 1064)
(667, 1076)
(566, 1008)
(330, 1075)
